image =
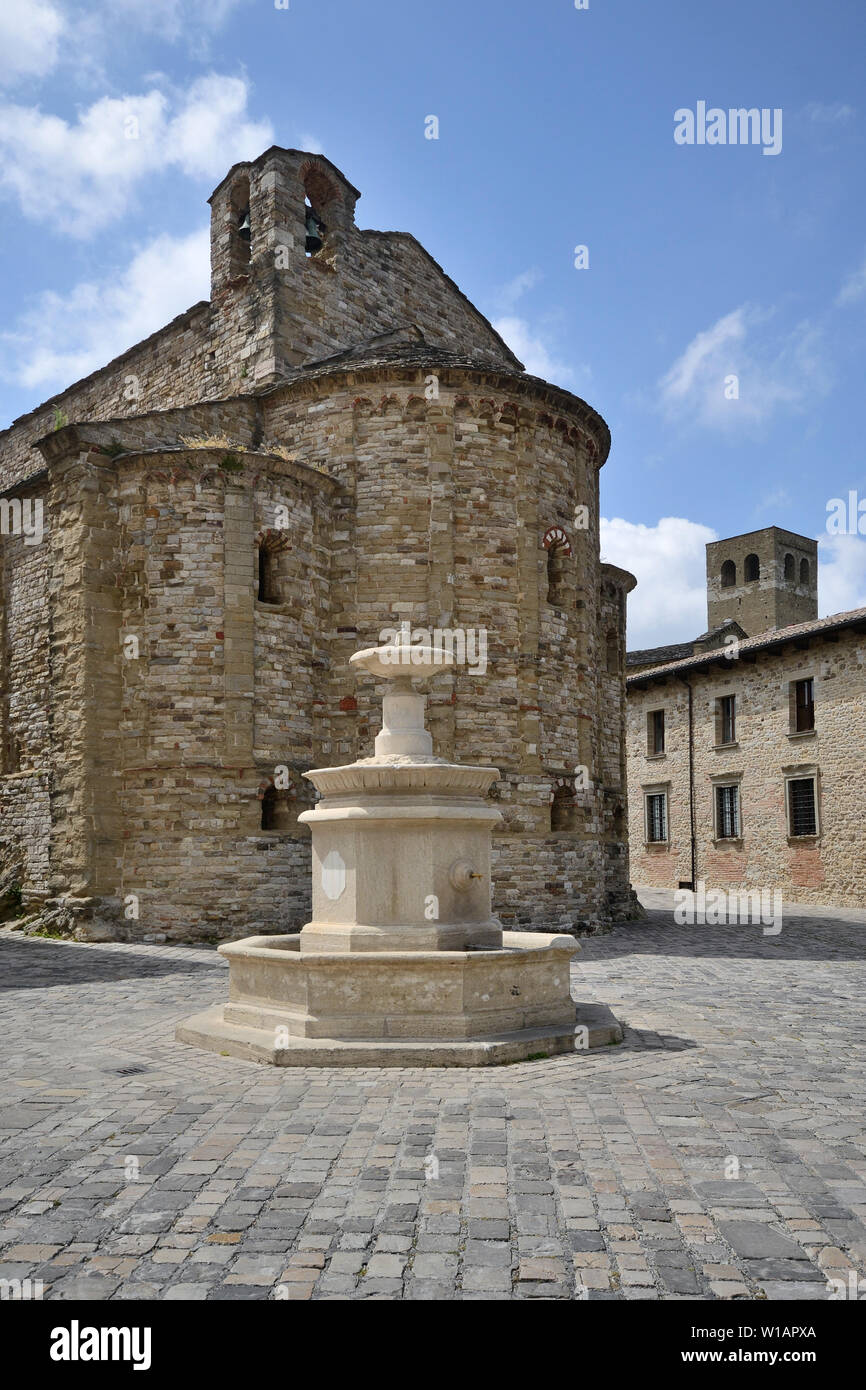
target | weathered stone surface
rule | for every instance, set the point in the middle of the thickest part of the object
(342, 416)
(784, 643)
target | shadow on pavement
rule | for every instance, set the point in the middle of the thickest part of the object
(37, 963)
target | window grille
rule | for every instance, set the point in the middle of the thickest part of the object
(727, 812)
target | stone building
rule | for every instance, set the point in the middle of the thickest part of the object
(747, 747)
(336, 443)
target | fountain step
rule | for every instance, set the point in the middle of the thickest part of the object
(596, 1027)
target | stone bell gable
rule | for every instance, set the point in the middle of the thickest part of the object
(272, 305)
(303, 304)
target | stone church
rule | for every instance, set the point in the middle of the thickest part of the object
(335, 444)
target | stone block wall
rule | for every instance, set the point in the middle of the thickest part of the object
(160, 712)
(829, 868)
(449, 502)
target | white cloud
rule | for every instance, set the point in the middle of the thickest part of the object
(515, 289)
(535, 354)
(830, 113)
(81, 176)
(669, 563)
(30, 33)
(854, 287)
(171, 20)
(311, 144)
(64, 337)
(841, 573)
(787, 371)
(98, 28)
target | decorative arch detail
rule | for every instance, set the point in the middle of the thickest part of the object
(555, 538)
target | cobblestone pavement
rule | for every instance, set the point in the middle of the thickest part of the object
(132, 1167)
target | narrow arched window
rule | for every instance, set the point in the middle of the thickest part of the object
(563, 811)
(805, 577)
(320, 195)
(612, 653)
(751, 568)
(269, 809)
(789, 569)
(268, 590)
(555, 574)
(729, 574)
(241, 228)
(558, 547)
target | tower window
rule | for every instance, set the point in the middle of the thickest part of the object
(241, 227)
(751, 569)
(322, 207)
(316, 231)
(789, 569)
(268, 590)
(729, 574)
(805, 577)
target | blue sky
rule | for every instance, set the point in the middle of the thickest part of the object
(556, 129)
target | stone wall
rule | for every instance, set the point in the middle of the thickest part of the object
(170, 368)
(449, 502)
(158, 711)
(827, 869)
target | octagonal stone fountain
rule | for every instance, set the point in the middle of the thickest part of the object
(403, 962)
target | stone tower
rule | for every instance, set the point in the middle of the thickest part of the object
(762, 580)
(226, 508)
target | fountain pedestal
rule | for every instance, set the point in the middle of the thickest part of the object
(403, 962)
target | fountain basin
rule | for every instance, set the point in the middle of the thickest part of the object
(395, 1008)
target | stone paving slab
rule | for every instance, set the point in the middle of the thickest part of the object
(717, 1153)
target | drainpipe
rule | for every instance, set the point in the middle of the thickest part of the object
(694, 847)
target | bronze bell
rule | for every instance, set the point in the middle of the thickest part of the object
(314, 232)
(244, 224)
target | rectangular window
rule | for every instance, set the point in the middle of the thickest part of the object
(657, 817)
(802, 809)
(728, 813)
(727, 719)
(656, 731)
(804, 706)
